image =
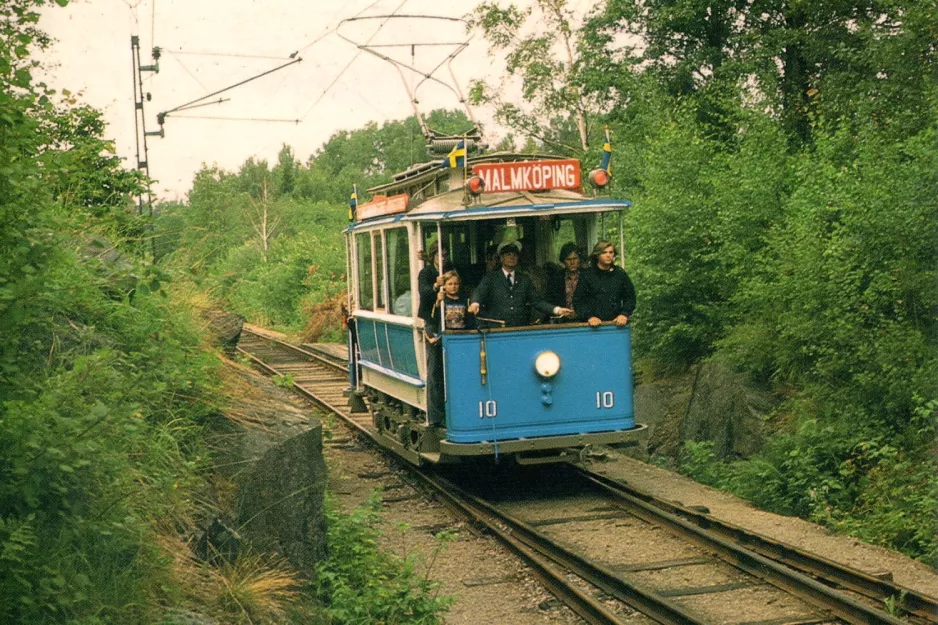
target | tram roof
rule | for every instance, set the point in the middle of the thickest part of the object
(451, 207)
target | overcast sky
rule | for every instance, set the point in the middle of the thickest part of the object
(206, 45)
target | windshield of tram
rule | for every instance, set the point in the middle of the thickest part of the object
(471, 246)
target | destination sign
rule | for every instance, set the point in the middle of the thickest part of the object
(382, 205)
(529, 175)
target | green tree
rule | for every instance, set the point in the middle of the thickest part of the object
(269, 254)
(543, 51)
(370, 155)
(215, 217)
(674, 250)
(285, 171)
(803, 59)
(850, 276)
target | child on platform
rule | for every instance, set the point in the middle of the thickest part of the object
(452, 310)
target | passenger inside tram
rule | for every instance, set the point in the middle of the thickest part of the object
(551, 253)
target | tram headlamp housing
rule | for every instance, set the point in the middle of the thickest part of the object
(547, 364)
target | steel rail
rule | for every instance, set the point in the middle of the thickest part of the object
(296, 348)
(300, 388)
(553, 577)
(774, 573)
(303, 390)
(548, 561)
(908, 600)
(645, 600)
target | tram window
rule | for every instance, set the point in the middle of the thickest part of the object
(564, 230)
(457, 240)
(457, 243)
(581, 230)
(366, 299)
(379, 270)
(563, 235)
(398, 250)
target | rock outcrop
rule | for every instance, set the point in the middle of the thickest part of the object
(710, 403)
(224, 328)
(280, 501)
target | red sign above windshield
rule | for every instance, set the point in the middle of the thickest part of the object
(529, 175)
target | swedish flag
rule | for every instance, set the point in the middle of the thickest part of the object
(607, 152)
(353, 203)
(456, 157)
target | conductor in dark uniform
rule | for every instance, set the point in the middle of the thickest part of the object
(509, 296)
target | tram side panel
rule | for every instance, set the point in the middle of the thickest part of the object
(389, 359)
(590, 393)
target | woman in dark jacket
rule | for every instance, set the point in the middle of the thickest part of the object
(605, 292)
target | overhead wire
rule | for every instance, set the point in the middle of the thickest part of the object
(135, 30)
(151, 75)
(195, 106)
(370, 104)
(133, 15)
(182, 65)
(412, 67)
(237, 119)
(294, 56)
(327, 32)
(332, 30)
(176, 53)
(229, 55)
(357, 54)
(238, 84)
(411, 45)
(293, 59)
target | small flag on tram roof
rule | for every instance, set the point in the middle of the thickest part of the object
(607, 152)
(456, 157)
(353, 203)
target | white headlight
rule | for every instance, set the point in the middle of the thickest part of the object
(547, 364)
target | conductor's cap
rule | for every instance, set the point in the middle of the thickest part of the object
(509, 246)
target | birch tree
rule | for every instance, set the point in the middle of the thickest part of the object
(540, 47)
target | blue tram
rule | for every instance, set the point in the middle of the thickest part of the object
(535, 393)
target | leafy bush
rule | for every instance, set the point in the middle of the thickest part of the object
(360, 584)
(802, 473)
(835, 310)
(299, 269)
(101, 446)
(674, 256)
(697, 459)
(849, 274)
(880, 491)
(899, 494)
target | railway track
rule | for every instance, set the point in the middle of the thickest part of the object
(609, 586)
